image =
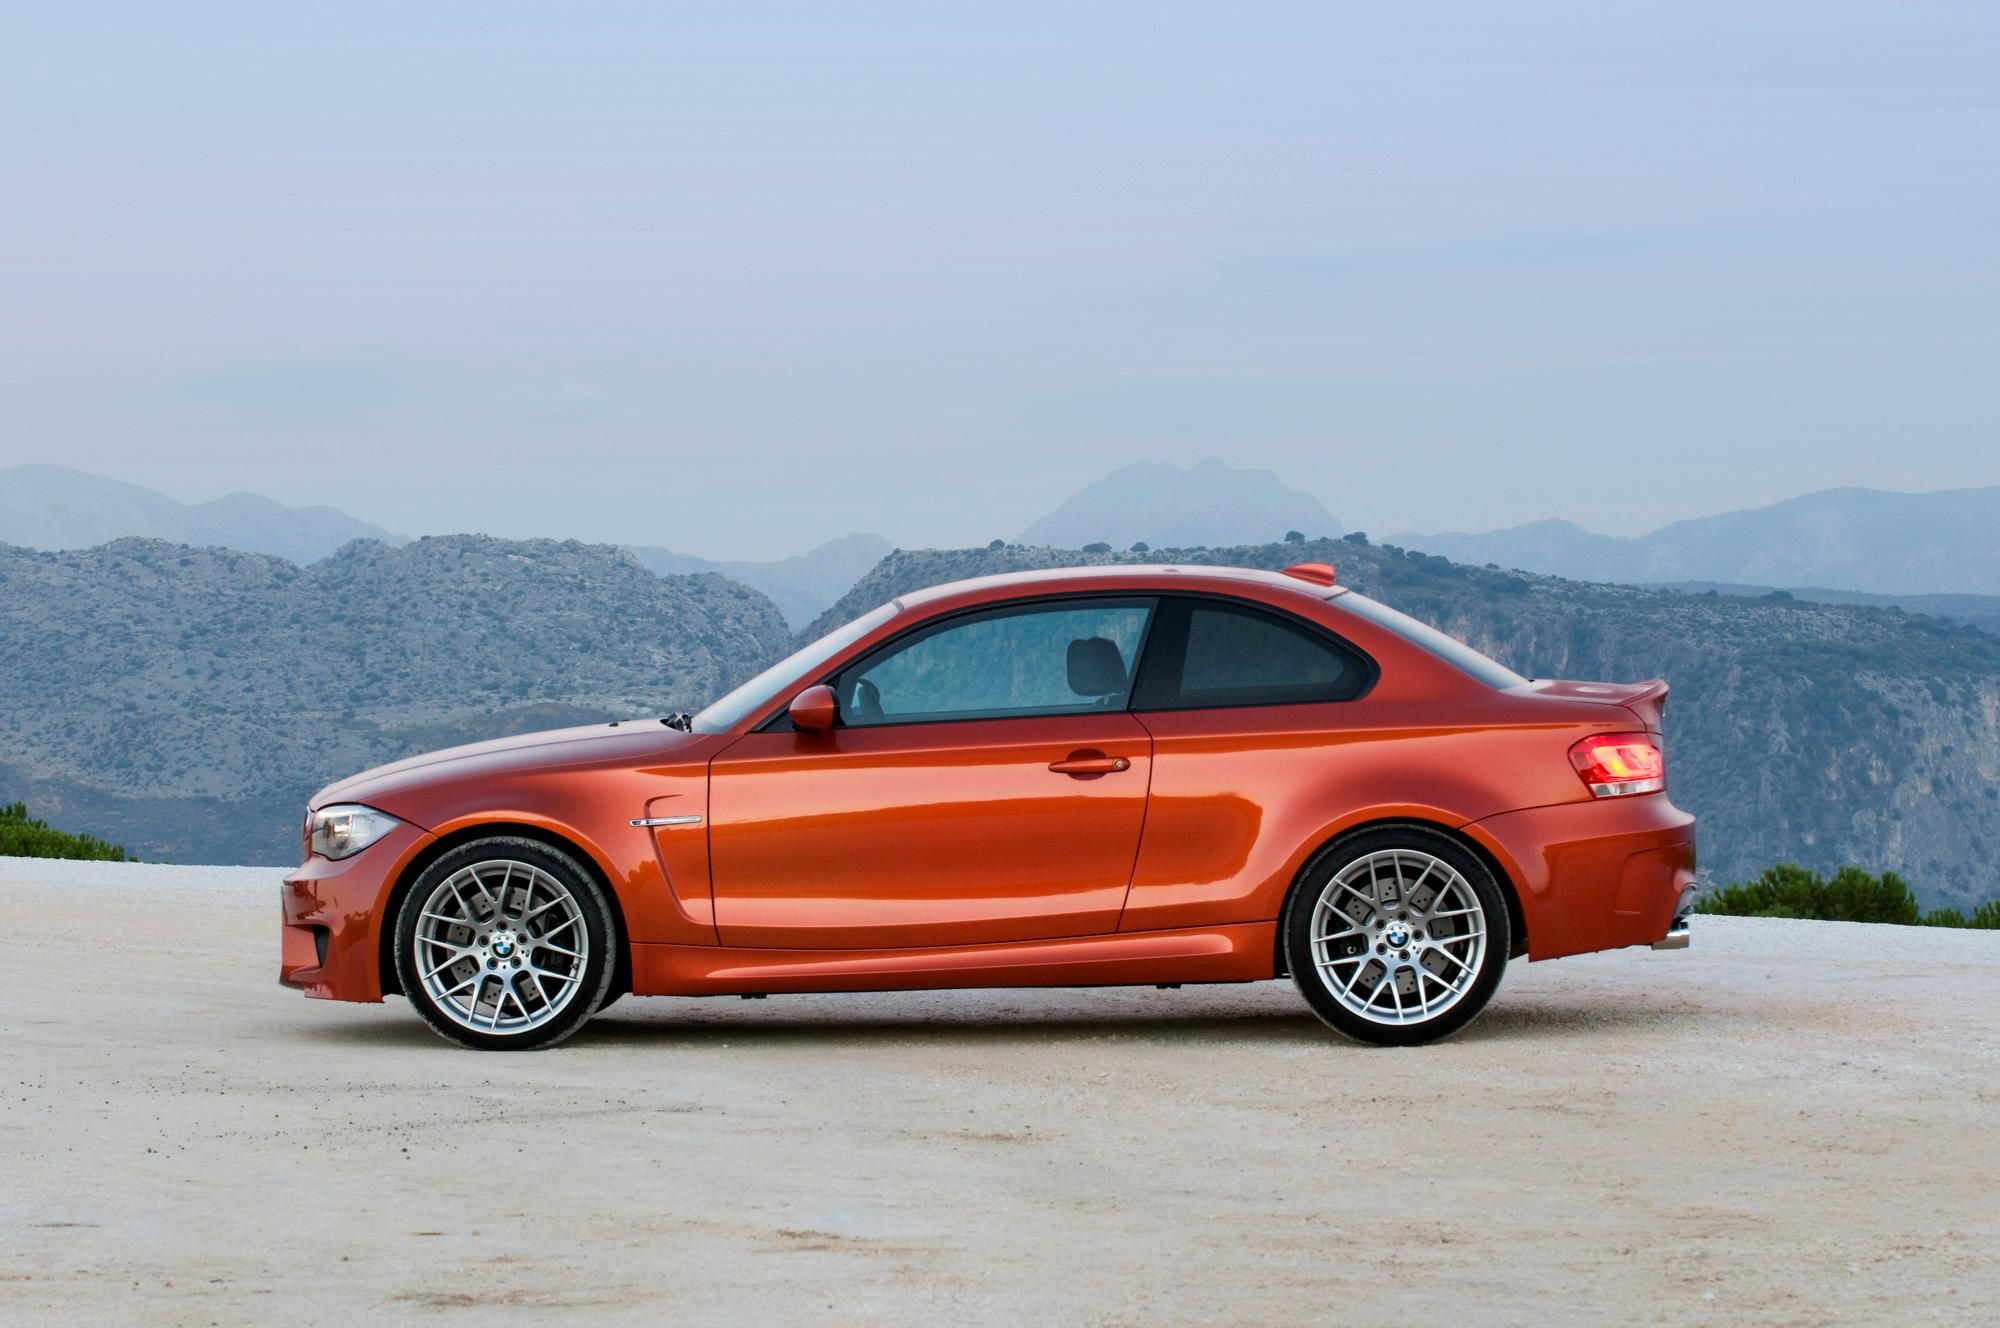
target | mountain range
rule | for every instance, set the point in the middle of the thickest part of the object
(185, 699)
(184, 702)
(1834, 542)
(1823, 734)
(1947, 542)
(54, 507)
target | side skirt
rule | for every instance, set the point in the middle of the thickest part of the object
(1238, 953)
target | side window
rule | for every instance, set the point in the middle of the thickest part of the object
(1067, 657)
(1213, 653)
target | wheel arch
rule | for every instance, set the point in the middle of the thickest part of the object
(1517, 923)
(385, 958)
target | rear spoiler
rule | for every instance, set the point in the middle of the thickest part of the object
(1647, 700)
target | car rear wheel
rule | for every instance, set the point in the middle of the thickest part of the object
(1397, 936)
(505, 944)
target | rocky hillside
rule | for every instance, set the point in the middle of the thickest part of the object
(1981, 611)
(1821, 733)
(184, 701)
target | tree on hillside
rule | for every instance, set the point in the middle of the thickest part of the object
(21, 836)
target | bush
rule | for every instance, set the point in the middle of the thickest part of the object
(23, 837)
(1855, 896)
(1784, 891)
(1791, 891)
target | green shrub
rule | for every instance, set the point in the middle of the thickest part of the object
(1855, 896)
(1784, 891)
(24, 837)
(1791, 891)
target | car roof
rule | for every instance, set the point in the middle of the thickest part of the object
(1151, 578)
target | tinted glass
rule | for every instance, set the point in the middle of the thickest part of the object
(1452, 651)
(1064, 658)
(1214, 653)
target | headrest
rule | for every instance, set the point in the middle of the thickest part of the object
(1095, 667)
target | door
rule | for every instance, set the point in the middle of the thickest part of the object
(1256, 743)
(984, 783)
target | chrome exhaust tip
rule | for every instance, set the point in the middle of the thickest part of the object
(1677, 930)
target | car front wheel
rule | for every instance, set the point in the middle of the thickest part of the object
(1397, 936)
(505, 944)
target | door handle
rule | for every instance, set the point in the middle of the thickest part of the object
(1090, 765)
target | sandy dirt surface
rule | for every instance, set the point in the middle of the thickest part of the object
(1789, 1123)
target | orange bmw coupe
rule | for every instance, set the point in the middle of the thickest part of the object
(1094, 776)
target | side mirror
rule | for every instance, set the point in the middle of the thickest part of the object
(814, 709)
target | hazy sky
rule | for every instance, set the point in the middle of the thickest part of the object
(734, 278)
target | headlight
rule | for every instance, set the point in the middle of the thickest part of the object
(343, 831)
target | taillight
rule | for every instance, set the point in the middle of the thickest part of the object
(1618, 765)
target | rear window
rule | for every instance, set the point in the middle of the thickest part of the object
(1449, 649)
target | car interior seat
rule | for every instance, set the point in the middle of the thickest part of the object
(865, 704)
(1096, 669)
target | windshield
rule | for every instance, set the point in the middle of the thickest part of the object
(1449, 649)
(738, 705)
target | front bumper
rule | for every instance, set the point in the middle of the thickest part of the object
(333, 916)
(1597, 875)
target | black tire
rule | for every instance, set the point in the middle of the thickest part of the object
(1319, 975)
(592, 974)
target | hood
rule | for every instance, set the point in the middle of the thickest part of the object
(626, 740)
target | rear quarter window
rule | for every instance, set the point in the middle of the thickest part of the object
(1216, 653)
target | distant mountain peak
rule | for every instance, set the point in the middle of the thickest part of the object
(802, 586)
(1875, 540)
(1210, 503)
(55, 507)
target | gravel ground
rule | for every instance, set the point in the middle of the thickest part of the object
(1792, 1123)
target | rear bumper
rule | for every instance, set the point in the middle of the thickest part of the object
(331, 918)
(1597, 875)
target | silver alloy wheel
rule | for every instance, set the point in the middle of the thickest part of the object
(501, 947)
(1398, 936)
